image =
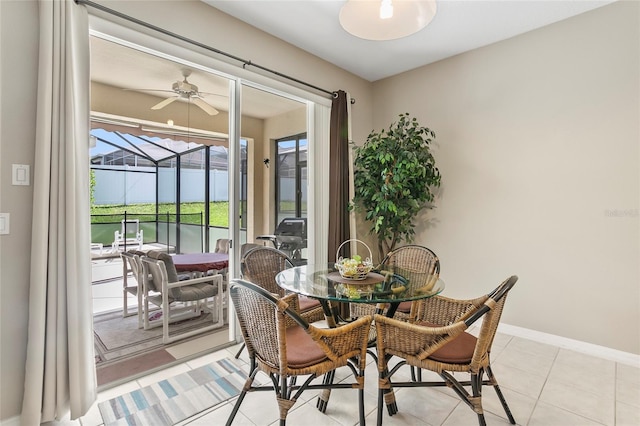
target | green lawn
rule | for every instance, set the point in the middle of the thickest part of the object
(190, 212)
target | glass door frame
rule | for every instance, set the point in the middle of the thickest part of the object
(318, 108)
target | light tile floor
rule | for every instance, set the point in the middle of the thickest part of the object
(544, 386)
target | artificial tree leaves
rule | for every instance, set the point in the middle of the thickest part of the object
(394, 179)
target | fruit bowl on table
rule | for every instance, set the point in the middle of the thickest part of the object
(352, 269)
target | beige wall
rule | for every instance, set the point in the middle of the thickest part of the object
(18, 83)
(538, 145)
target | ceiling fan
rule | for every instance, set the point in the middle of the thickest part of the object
(185, 90)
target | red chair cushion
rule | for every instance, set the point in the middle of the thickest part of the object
(307, 303)
(458, 351)
(302, 351)
(404, 307)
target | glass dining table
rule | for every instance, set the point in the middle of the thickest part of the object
(385, 289)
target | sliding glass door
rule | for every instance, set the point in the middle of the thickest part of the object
(291, 177)
(214, 156)
(273, 194)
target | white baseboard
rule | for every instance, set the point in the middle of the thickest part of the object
(13, 421)
(575, 345)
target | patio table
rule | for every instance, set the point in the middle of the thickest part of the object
(200, 262)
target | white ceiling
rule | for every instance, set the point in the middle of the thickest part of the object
(458, 26)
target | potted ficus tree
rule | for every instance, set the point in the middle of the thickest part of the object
(395, 177)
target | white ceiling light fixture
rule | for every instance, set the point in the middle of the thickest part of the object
(386, 19)
(386, 9)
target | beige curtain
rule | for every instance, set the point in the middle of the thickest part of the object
(60, 371)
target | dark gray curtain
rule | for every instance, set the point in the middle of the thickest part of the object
(338, 177)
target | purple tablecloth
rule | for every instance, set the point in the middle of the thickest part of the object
(200, 262)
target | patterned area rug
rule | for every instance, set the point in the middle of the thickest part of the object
(172, 400)
(118, 338)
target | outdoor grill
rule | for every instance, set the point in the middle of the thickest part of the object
(290, 237)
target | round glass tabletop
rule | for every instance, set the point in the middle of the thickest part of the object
(325, 282)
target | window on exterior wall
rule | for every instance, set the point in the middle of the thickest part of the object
(291, 177)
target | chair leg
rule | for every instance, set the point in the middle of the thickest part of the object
(323, 398)
(476, 399)
(285, 402)
(245, 388)
(361, 405)
(503, 401)
(380, 404)
(240, 351)
(416, 374)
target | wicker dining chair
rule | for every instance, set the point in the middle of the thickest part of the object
(443, 346)
(260, 265)
(285, 346)
(414, 263)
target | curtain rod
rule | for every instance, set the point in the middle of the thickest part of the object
(245, 62)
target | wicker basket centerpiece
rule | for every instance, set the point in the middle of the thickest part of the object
(354, 267)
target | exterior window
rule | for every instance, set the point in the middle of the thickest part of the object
(291, 177)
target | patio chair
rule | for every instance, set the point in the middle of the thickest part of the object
(444, 347)
(222, 245)
(244, 249)
(179, 299)
(131, 264)
(130, 234)
(285, 346)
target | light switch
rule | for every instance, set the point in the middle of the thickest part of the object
(4, 223)
(20, 174)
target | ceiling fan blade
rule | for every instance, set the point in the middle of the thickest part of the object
(148, 90)
(165, 102)
(204, 106)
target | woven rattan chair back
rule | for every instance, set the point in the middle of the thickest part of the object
(270, 325)
(414, 263)
(417, 264)
(489, 325)
(437, 341)
(260, 265)
(257, 319)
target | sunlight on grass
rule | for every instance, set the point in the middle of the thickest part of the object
(190, 212)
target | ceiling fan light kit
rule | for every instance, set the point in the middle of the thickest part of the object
(386, 19)
(185, 90)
